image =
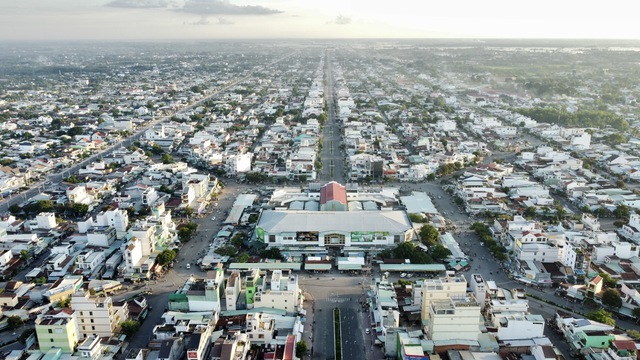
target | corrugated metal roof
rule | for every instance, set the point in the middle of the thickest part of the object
(317, 266)
(276, 221)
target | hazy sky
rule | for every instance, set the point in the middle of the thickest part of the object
(220, 19)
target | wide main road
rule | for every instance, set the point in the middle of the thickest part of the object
(331, 155)
(57, 177)
(333, 290)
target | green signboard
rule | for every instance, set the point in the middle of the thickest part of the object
(367, 236)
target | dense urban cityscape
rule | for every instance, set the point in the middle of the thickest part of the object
(320, 199)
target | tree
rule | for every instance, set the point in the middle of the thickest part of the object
(634, 334)
(156, 149)
(24, 255)
(611, 298)
(416, 218)
(129, 327)
(227, 250)
(186, 231)
(237, 239)
(636, 313)
(64, 303)
(301, 349)
(15, 209)
(622, 212)
(167, 159)
(14, 322)
(601, 316)
(608, 280)
(165, 257)
(271, 253)
(439, 252)
(242, 258)
(429, 235)
(74, 131)
(407, 250)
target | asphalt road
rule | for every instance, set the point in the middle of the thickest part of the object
(331, 155)
(330, 291)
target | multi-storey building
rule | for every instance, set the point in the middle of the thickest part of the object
(97, 315)
(57, 329)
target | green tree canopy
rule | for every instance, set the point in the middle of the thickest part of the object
(165, 257)
(601, 316)
(129, 327)
(611, 298)
(416, 218)
(407, 250)
(301, 349)
(14, 322)
(439, 252)
(429, 235)
(271, 253)
(227, 250)
(622, 212)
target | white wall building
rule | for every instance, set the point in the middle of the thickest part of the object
(46, 220)
(281, 293)
(96, 315)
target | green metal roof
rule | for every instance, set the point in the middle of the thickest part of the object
(349, 267)
(412, 267)
(266, 266)
(317, 266)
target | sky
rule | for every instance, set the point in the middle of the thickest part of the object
(256, 19)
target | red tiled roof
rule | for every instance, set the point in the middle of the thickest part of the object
(333, 191)
(289, 348)
(624, 345)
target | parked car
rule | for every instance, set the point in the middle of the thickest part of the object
(188, 266)
(403, 275)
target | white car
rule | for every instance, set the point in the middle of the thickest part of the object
(213, 218)
(367, 331)
(188, 266)
(403, 275)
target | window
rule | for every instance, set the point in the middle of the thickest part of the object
(90, 313)
(272, 238)
(50, 331)
(84, 328)
(93, 328)
(51, 340)
(92, 321)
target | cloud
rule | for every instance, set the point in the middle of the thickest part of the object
(224, 7)
(343, 20)
(140, 4)
(205, 21)
(225, 21)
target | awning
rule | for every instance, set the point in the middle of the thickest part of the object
(323, 267)
(349, 267)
